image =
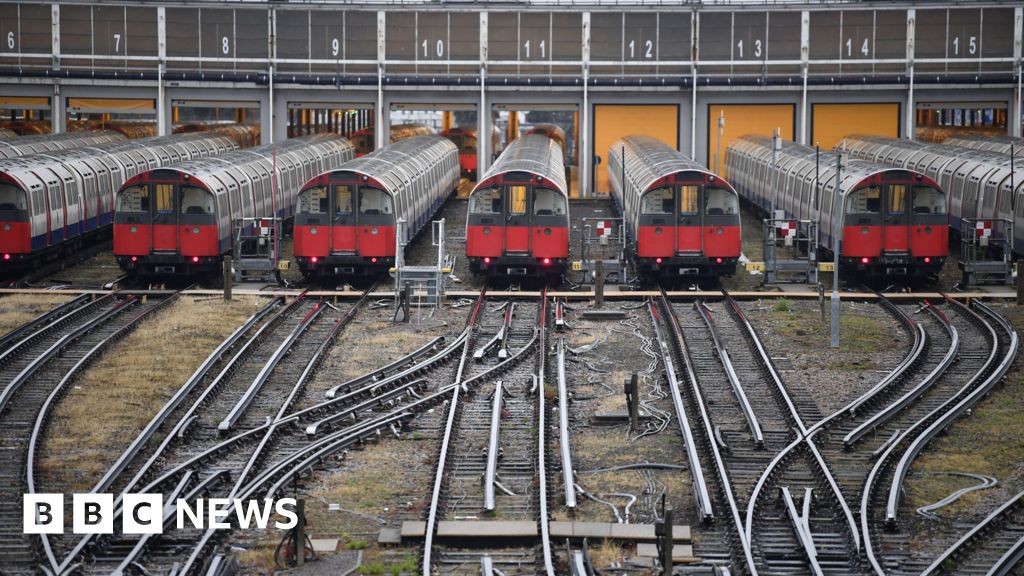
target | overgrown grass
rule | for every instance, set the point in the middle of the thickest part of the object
(114, 398)
(18, 309)
(858, 332)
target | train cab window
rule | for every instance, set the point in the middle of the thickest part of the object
(897, 198)
(486, 201)
(133, 199)
(373, 201)
(313, 201)
(196, 201)
(547, 202)
(719, 202)
(657, 201)
(517, 199)
(11, 198)
(928, 200)
(866, 200)
(164, 198)
(688, 199)
(342, 199)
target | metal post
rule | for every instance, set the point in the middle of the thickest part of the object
(300, 532)
(633, 401)
(666, 548)
(721, 131)
(406, 301)
(836, 248)
(1020, 282)
(599, 283)
(228, 278)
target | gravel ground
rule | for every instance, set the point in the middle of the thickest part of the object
(19, 309)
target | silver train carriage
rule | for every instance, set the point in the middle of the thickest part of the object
(24, 145)
(189, 224)
(997, 144)
(52, 200)
(894, 221)
(7, 134)
(357, 206)
(978, 182)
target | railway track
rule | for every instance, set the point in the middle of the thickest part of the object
(36, 372)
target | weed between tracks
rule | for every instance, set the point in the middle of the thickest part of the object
(114, 398)
(18, 309)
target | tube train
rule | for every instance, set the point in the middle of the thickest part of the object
(24, 145)
(552, 131)
(50, 203)
(345, 218)
(179, 219)
(6, 134)
(997, 144)
(680, 219)
(978, 182)
(518, 222)
(894, 221)
(465, 137)
(364, 142)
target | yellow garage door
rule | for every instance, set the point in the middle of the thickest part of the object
(830, 123)
(743, 119)
(612, 122)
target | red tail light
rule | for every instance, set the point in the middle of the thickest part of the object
(373, 260)
(865, 260)
(195, 259)
(927, 260)
(487, 259)
(314, 259)
(7, 256)
(547, 261)
(658, 260)
(135, 258)
(718, 260)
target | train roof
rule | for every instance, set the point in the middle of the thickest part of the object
(649, 160)
(534, 154)
(394, 165)
(24, 145)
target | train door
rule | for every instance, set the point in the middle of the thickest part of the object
(343, 219)
(689, 220)
(896, 224)
(517, 219)
(165, 218)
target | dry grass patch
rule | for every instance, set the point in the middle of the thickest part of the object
(19, 309)
(607, 555)
(115, 397)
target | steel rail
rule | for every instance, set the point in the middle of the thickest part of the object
(445, 442)
(350, 412)
(568, 474)
(890, 411)
(506, 330)
(726, 484)
(30, 327)
(936, 416)
(942, 418)
(578, 564)
(542, 474)
(802, 529)
(161, 417)
(380, 373)
(183, 422)
(492, 450)
(166, 516)
(730, 373)
(946, 559)
(55, 349)
(68, 318)
(250, 394)
(1009, 560)
(702, 496)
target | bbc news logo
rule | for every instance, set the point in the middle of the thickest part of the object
(144, 513)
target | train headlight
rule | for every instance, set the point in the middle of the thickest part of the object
(195, 229)
(312, 231)
(927, 229)
(547, 231)
(487, 231)
(864, 231)
(721, 231)
(134, 229)
(657, 231)
(374, 230)
(7, 227)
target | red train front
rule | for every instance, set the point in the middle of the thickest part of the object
(681, 220)
(518, 223)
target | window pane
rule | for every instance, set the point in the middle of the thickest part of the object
(719, 201)
(313, 201)
(688, 199)
(165, 198)
(865, 201)
(928, 200)
(343, 199)
(374, 201)
(548, 202)
(196, 201)
(897, 198)
(517, 199)
(12, 198)
(487, 201)
(657, 201)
